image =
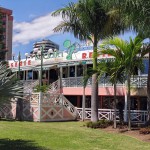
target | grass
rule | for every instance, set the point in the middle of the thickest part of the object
(62, 136)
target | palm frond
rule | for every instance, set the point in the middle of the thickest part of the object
(9, 86)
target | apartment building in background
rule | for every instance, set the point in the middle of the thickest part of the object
(47, 45)
(6, 33)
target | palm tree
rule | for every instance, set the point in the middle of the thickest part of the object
(9, 87)
(108, 68)
(137, 15)
(129, 53)
(87, 19)
(115, 71)
(146, 50)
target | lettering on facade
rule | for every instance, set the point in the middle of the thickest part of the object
(22, 63)
(89, 55)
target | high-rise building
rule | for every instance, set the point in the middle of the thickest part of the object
(6, 20)
(48, 44)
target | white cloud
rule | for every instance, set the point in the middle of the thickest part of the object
(38, 28)
(32, 16)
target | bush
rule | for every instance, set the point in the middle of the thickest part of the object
(43, 88)
(99, 124)
(145, 130)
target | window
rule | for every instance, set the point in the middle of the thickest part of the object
(65, 72)
(79, 70)
(145, 61)
(35, 75)
(29, 75)
(72, 71)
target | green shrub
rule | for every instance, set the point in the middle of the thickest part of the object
(99, 124)
(43, 88)
(145, 130)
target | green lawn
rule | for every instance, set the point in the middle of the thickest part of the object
(62, 136)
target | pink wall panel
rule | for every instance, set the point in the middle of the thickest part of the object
(102, 91)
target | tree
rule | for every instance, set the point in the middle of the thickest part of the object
(9, 87)
(115, 70)
(111, 69)
(138, 15)
(88, 20)
(130, 56)
(146, 49)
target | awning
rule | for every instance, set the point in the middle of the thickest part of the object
(45, 67)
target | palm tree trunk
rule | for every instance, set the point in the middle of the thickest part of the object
(115, 110)
(148, 92)
(129, 102)
(94, 101)
(19, 110)
(94, 92)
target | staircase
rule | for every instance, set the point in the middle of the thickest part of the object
(60, 99)
(49, 106)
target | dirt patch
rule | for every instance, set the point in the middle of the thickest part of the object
(133, 133)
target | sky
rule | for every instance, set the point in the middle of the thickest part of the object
(33, 22)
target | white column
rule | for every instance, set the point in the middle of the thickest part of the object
(68, 71)
(60, 78)
(48, 75)
(125, 108)
(39, 106)
(83, 105)
(75, 70)
(39, 76)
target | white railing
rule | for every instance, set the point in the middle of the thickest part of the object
(139, 81)
(54, 87)
(29, 86)
(136, 81)
(59, 100)
(137, 116)
(32, 98)
(69, 106)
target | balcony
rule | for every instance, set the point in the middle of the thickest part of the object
(136, 81)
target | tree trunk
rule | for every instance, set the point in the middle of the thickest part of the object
(19, 110)
(94, 92)
(129, 102)
(94, 101)
(115, 110)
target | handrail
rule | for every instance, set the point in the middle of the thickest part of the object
(137, 116)
(69, 106)
(54, 87)
(136, 81)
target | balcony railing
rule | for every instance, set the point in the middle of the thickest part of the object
(136, 81)
(137, 116)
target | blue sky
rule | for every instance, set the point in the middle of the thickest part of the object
(33, 22)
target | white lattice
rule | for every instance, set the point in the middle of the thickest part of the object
(137, 116)
(29, 86)
(54, 87)
(8, 110)
(51, 113)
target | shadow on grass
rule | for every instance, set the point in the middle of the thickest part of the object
(8, 144)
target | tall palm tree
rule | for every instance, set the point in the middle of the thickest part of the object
(87, 19)
(108, 68)
(115, 70)
(9, 87)
(146, 50)
(130, 57)
(137, 14)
